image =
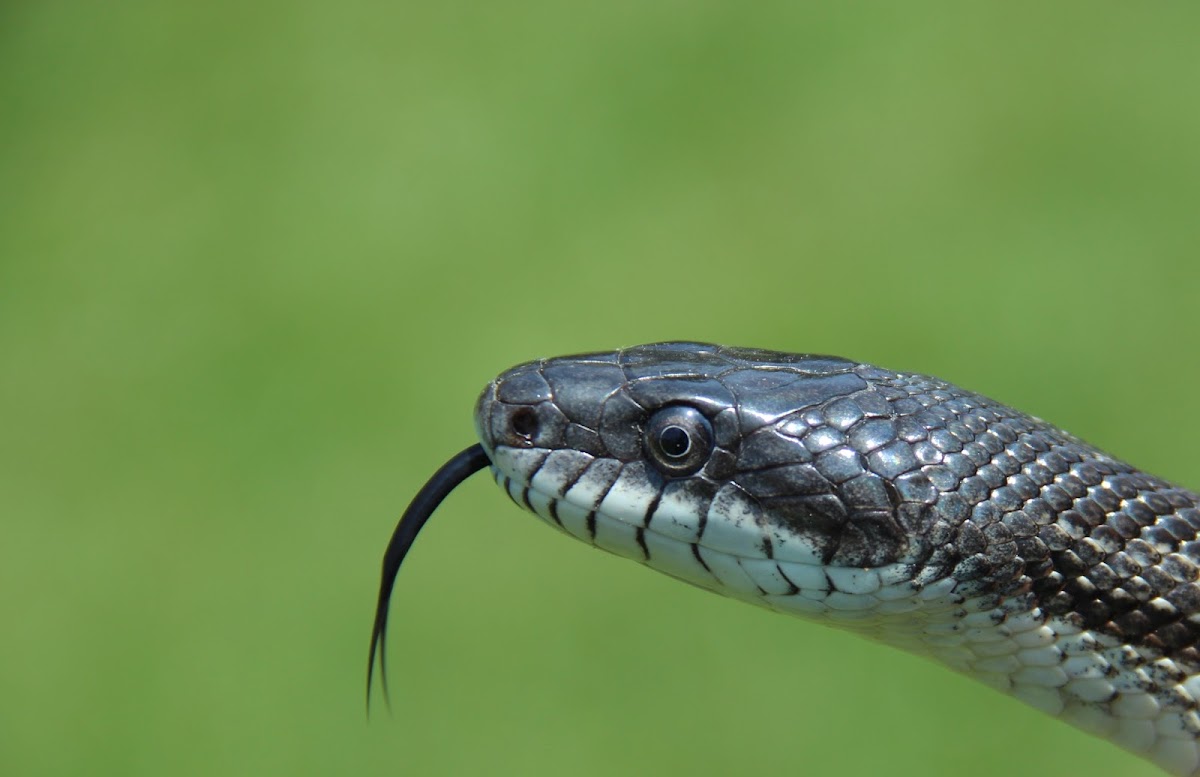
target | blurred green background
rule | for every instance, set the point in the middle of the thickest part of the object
(256, 261)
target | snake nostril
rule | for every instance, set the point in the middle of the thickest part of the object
(524, 423)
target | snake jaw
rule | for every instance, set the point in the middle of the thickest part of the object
(712, 542)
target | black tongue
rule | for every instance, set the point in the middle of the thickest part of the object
(445, 480)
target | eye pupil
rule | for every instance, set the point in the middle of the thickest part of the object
(674, 441)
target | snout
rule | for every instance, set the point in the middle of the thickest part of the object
(516, 411)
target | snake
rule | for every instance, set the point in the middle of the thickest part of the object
(893, 505)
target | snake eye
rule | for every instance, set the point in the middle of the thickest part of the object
(678, 440)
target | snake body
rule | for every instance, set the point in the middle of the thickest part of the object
(891, 504)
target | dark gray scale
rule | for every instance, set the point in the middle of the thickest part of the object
(926, 473)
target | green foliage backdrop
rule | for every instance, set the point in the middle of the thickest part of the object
(256, 261)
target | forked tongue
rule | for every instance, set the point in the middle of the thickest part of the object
(445, 480)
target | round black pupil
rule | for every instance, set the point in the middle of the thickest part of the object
(674, 441)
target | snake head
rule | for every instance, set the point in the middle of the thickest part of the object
(733, 469)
